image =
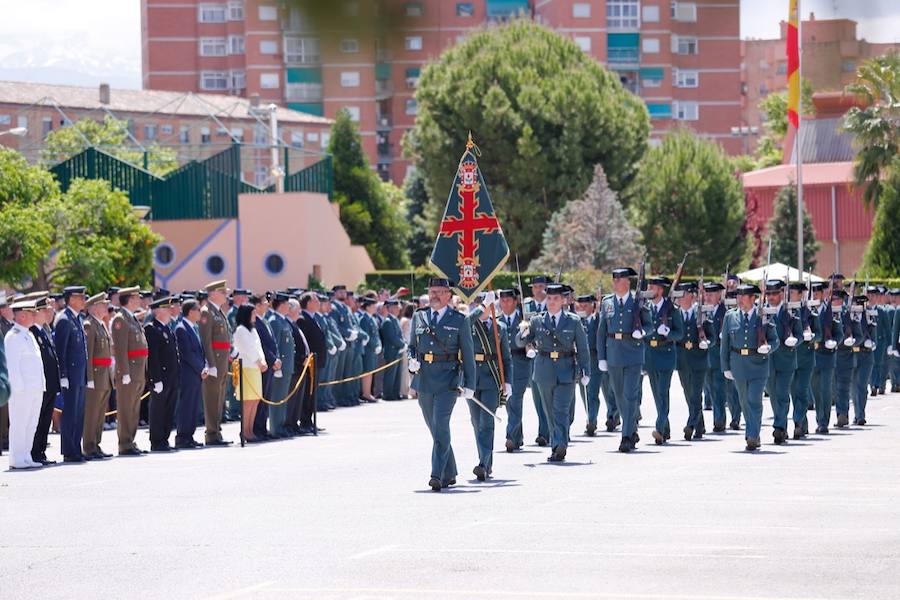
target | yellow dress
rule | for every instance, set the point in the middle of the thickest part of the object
(251, 387)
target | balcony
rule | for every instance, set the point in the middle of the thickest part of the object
(383, 89)
(301, 51)
(383, 122)
(303, 92)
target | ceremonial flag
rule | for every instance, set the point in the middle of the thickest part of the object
(793, 64)
(470, 246)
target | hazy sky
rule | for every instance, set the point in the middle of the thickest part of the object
(85, 42)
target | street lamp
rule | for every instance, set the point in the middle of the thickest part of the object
(16, 131)
(140, 211)
(745, 132)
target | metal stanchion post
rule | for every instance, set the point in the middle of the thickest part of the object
(312, 392)
(241, 394)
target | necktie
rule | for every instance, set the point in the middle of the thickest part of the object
(553, 321)
(621, 305)
(654, 311)
(434, 317)
(746, 320)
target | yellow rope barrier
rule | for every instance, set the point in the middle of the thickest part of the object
(346, 379)
(306, 364)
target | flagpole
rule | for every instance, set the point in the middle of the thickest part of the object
(797, 145)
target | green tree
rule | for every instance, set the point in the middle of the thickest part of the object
(422, 221)
(372, 212)
(110, 136)
(590, 232)
(783, 229)
(875, 127)
(882, 256)
(544, 113)
(686, 197)
(769, 150)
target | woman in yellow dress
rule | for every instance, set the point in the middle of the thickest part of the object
(249, 351)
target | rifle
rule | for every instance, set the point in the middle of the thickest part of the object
(636, 323)
(848, 329)
(728, 301)
(761, 311)
(701, 335)
(826, 316)
(523, 313)
(669, 304)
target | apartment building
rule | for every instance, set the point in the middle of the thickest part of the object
(682, 58)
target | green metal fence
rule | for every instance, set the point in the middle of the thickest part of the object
(205, 189)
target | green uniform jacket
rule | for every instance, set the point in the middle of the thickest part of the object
(739, 343)
(284, 342)
(659, 351)
(449, 343)
(568, 337)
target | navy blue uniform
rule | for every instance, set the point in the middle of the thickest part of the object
(71, 349)
(190, 393)
(162, 367)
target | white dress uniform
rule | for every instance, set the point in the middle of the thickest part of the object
(26, 382)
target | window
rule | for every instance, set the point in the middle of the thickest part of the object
(273, 264)
(325, 138)
(268, 47)
(235, 11)
(165, 129)
(238, 79)
(164, 255)
(267, 12)
(213, 80)
(260, 135)
(237, 133)
(260, 175)
(650, 14)
(349, 78)
(650, 45)
(204, 135)
(269, 81)
(782, 68)
(235, 44)
(413, 42)
(414, 9)
(673, 8)
(221, 131)
(212, 46)
(303, 92)
(412, 77)
(584, 42)
(465, 9)
(312, 136)
(686, 79)
(5, 119)
(296, 139)
(301, 50)
(763, 65)
(184, 134)
(622, 14)
(349, 46)
(685, 12)
(46, 125)
(215, 264)
(651, 83)
(211, 13)
(150, 131)
(411, 106)
(354, 112)
(581, 10)
(686, 111)
(685, 45)
(22, 121)
(848, 66)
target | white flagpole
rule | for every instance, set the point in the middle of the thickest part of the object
(798, 148)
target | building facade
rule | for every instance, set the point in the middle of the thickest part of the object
(682, 58)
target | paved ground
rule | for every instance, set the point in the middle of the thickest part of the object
(348, 515)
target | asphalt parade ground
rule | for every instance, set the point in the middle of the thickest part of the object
(349, 516)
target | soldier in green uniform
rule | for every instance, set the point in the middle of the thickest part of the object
(829, 320)
(783, 359)
(620, 350)
(282, 333)
(440, 345)
(801, 395)
(521, 369)
(884, 322)
(666, 328)
(846, 362)
(562, 360)
(587, 311)
(732, 282)
(394, 346)
(215, 334)
(867, 320)
(745, 360)
(714, 312)
(692, 360)
(536, 305)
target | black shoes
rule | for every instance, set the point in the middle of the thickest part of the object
(658, 438)
(510, 446)
(541, 441)
(688, 433)
(735, 426)
(752, 444)
(558, 455)
(780, 436)
(435, 484)
(132, 452)
(590, 430)
(74, 459)
(480, 473)
(610, 425)
(626, 445)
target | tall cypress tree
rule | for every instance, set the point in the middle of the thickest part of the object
(783, 229)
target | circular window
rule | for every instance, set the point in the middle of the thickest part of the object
(274, 264)
(215, 264)
(164, 255)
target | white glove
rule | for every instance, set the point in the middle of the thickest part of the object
(585, 379)
(343, 346)
(333, 350)
(205, 371)
(468, 394)
(764, 349)
(791, 341)
(158, 387)
(524, 327)
(849, 341)
(603, 366)
(278, 374)
(213, 372)
(890, 350)
(531, 353)
(413, 365)
(808, 336)
(637, 334)
(489, 298)
(353, 335)
(728, 375)
(377, 349)
(663, 329)
(897, 353)
(869, 344)
(64, 383)
(830, 344)
(704, 344)
(126, 379)
(507, 390)
(404, 348)
(90, 385)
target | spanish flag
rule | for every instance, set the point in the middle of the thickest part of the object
(793, 65)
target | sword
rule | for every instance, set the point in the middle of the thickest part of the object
(484, 408)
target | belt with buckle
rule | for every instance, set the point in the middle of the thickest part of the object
(557, 354)
(430, 357)
(616, 336)
(686, 345)
(857, 349)
(742, 351)
(480, 358)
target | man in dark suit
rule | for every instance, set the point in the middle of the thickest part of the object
(301, 353)
(270, 349)
(163, 370)
(43, 314)
(71, 350)
(192, 373)
(315, 339)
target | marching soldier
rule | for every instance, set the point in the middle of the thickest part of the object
(521, 369)
(846, 362)
(42, 316)
(487, 378)
(440, 344)
(692, 360)
(867, 319)
(68, 335)
(394, 346)
(130, 351)
(216, 336)
(885, 318)
(666, 327)
(829, 319)
(587, 312)
(620, 350)
(783, 359)
(163, 368)
(26, 383)
(536, 305)
(716, 382)
(732, 282)
(893, 349)
(745, 360)
(801, 383)
(562, 360)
